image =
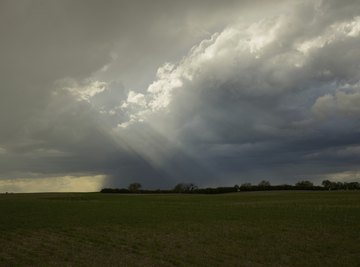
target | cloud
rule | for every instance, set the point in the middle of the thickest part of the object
(347, 176)
(265, 84)
(339, 104)
(262, 61)
(247, 93)
(53, 184)
(87, 91)
(136, 98)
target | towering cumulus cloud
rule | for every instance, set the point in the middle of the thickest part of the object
(274, 98)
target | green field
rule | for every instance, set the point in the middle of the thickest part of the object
(244, 229)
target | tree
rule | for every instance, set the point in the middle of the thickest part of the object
(245, 186)
(353, 185)
(264, 183)
(184, 187)
(304, 184)
(339, 185)
(134, 187)
(327, 184)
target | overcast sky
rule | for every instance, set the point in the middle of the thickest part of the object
(100, 94)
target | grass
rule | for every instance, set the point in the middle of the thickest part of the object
(243, 229)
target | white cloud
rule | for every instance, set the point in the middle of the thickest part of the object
(136, 98)
(263, 33)
(333, 33)
(261, 59)
(169, 78)
(84, 91)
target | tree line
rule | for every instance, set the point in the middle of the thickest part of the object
(264, 185)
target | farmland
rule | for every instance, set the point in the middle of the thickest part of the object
(276, 228)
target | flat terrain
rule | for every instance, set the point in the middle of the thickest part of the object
(243, 229)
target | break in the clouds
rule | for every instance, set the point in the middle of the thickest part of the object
(214, 93)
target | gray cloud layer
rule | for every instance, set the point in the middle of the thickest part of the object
(273, 98)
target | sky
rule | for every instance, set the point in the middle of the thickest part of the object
(98, 94)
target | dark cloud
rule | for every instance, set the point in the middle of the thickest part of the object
(272, 95)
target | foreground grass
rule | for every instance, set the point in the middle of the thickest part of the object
(244, 229)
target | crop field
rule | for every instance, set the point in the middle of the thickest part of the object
(297, 228)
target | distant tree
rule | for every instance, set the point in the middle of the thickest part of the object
(114, 190)
(340, 185)
(237, 187)
(264, 183)
(337, 185)
(304, 184)
(245, 186)
(184, 187)
(328, 184)
(134, 187)
(353, 186)
(178, 188)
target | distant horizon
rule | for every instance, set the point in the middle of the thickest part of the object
(238, 186)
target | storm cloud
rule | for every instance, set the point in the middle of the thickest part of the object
(215, 94)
